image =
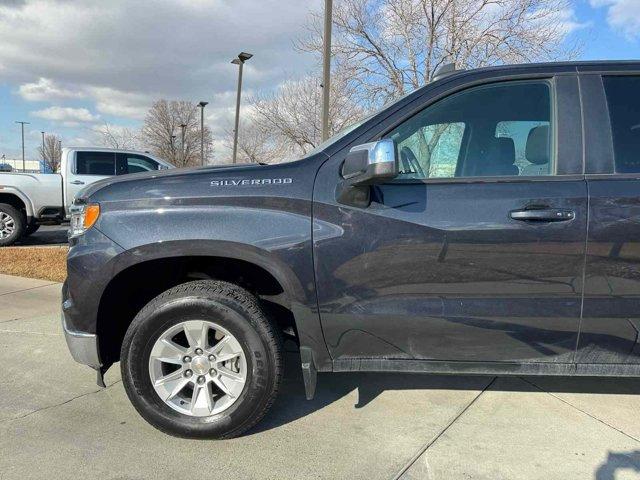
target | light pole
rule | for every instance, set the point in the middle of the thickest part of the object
(202, 105)
(242, 57)
(22, 124)
(326, 68)
(182, 151)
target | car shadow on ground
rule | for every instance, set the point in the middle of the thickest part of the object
(46, 235)
(291, 403)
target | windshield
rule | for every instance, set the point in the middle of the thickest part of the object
(339, 135)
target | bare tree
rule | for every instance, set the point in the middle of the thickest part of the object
(292, 112)
(257, 143)
(51, 154)
(112, 136)
(391, 47)
(162, 133)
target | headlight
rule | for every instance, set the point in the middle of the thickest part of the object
(83, 217)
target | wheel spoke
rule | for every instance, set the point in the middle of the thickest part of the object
(224, 371)
(201, 400)
(197, 333)
(227, 356)
(168, 352)
(225, 389)
(217, 349)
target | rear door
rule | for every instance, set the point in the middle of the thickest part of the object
(611, 318)
(89, 167)
(135, 163)
(476, 251)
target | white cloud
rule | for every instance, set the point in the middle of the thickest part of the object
(46, 89)
(69, 116)
(122, 55)
(622, 16)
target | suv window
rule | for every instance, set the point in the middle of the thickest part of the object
(132, 163)
(495, 130)
(623, 98)
(95, 163)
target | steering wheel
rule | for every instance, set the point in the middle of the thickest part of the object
(408, 159)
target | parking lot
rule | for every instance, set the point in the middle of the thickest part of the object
(56, 423)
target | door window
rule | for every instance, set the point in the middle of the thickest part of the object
(623, 98)
(132, 163)
(496, 130)
(95, 163)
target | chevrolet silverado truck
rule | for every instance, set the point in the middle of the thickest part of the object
(29, 199)
(487, 223)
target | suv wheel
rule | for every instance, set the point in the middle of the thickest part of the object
(202, 360)
(12, 224)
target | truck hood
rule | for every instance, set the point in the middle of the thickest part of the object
(95, 187)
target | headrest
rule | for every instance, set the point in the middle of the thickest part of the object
(537, 150)
(505, 151)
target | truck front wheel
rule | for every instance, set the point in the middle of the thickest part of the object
(12, 224)
(202, 360)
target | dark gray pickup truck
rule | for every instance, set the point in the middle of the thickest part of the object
(488, 223)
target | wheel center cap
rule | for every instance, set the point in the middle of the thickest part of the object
(200, 365)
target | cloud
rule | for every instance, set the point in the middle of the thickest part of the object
(46, 89)
(69, 116)
(623, 16)
(122, 55)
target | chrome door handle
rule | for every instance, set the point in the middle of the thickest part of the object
(77, 182)
(542, 215)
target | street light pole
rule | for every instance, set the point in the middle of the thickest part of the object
(242, 57)
(326, 67)
(22, 124)
(202, 105)
(182, 151)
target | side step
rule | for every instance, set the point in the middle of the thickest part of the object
(309, 372)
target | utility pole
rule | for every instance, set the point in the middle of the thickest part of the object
(202, 105)
(22, 124)
(183, 126)
(242, 57)
(326, 67)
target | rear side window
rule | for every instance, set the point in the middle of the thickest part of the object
(95, 163)
(623, 98)
(132, 163)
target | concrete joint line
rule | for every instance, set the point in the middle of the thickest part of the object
(27, 289)
(420, 452)
(61, 403)
(581, 411)
(31, 333)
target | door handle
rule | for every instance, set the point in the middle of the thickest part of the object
(77, 182)
(542, 215)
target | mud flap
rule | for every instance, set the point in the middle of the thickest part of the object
(309, 372)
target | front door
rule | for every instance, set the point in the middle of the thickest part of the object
(88, 167)
(476, 251)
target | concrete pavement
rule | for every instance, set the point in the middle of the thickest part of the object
(56, 423)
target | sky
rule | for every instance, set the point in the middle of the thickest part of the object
(70, 66)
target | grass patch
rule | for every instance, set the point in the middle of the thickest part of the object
(47, 263)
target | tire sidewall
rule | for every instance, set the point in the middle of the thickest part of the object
(147, 328)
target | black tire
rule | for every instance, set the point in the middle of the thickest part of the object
(33, 228)
(237, 311)
(19, 222)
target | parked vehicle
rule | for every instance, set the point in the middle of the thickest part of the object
(484, 224)
(29, 199)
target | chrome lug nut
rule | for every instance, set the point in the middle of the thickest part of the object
(186, 359)
(188, 373)
(198, 351)
(212, 358)
(201, 380)
(212, 371)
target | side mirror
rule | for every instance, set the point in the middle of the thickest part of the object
(371, 163)
(366, 165)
